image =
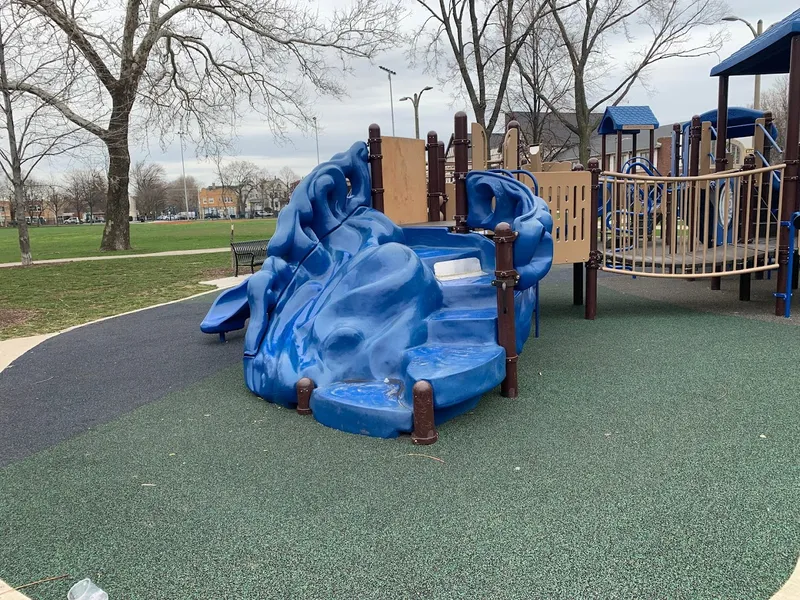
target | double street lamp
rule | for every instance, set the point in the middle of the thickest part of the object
(415, 101)
(756, 31)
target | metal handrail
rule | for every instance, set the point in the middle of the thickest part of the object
(512, 172)
(766, 162)
(711, 176)
(770, 138)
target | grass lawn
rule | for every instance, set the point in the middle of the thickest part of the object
(68, 241)
(46, 298)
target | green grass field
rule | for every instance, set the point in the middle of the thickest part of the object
(69, 241)
(46, 298)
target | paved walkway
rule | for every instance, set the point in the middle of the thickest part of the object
(52, 261)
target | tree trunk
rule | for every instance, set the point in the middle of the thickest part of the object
(117, 234)
(22, 225)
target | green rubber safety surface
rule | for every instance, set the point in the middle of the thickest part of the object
(652, 453)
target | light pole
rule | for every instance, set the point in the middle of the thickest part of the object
(756, 31)
(183, 170)
(391, 94)
(415, 101)
(316, 134)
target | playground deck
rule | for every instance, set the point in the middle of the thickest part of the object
(661, 259)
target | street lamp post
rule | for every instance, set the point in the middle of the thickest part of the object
(316, 135)
(391, 94)
(183, 170)
(415, 101)
(756, 31)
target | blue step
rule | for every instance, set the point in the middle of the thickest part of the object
(457, 372)
(453, 325)
(430, 256)
(374, 408)
(470, 292)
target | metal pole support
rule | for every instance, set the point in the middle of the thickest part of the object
(505, 280)
(593, 264)
(376, 166)
(461, 155)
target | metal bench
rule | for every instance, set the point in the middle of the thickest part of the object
(252, 253)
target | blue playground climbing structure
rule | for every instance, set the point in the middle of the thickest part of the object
(365, 309)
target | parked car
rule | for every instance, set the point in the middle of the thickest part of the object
(72, 221)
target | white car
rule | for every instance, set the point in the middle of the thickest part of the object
(72, 221)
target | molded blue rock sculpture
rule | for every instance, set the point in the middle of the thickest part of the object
(351, 301)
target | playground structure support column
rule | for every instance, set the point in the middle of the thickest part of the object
(577, 268)
(506, 279)
(433, 176)
(376, 166)
(603, 162)
(652, 149)
(424, 432)
(694, 170)
(791, 198)
(744, 205)
(593, 264)
(634, 151)
(721, 158)
(442, 186)
(461, 150)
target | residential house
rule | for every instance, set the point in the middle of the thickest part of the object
(5, 212)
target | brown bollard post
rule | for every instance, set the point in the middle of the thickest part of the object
(442, 187)
(505, 280)
(304, 387)
(746, 200)
(376, 166)
(593, 264)
(424, 432)
(461, 152)
(433, 176)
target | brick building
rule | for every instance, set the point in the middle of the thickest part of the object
(217, 200)
(5, 212)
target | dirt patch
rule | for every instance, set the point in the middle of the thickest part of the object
(216, 273)
(11, 317)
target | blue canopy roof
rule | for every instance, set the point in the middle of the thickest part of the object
(741, 122)
(627, 118)
(765, 55)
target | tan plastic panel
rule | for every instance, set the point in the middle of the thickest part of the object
(568, 195)
(705, 148)
(405, 192)
(480, 148)
(511, 149)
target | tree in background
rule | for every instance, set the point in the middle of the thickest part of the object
(87, 192)
(33, 129)
(134, 62)
(243, 177)
(55, 200)
(150, 189)
(655, 31)
(175, 193)
(289, 179)
(477, 42)
(776, 100)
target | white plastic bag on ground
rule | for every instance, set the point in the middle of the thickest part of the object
(86, 590)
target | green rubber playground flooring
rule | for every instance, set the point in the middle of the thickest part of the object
(652, 453)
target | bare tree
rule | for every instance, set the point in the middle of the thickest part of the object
(201, 60)
(243, 177)
(175, 193)
(56, 201)
(477, 42)
(87, 191)
(655, 30)
(776, 100)
(150, 188)
(33, 129)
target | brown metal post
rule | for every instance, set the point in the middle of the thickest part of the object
(694, 170)
(376, 166)
(791, 190)
(304, 387)
(633, 150)
(505, 280)
(749, 165)
(442, 186)
(721, 159)
(577, 268)
(433, 176)
(619, 151)
(424, 432)
(593, 264)
(461, 151)
(651, 154)
(677, 149)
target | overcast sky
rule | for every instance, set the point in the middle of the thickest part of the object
(679, 89)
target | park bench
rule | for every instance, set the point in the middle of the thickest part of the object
(252, 252)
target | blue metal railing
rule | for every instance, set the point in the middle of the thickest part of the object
(770, 138)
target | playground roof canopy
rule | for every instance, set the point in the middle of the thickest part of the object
(627, 118)
(741, 122)
(765, 55)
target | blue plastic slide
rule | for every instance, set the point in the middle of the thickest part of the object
(365, 308)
